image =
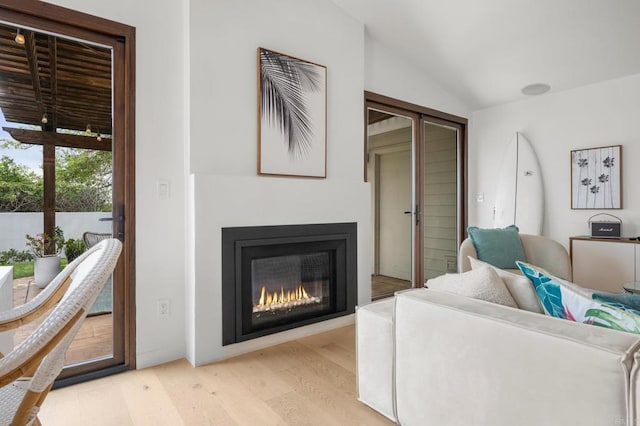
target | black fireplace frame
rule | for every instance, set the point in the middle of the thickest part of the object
(235, 239)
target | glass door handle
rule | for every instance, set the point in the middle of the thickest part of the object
(120, 219)
(417, 213)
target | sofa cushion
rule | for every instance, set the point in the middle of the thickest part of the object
(523, 293)
(499, 247)
(482, 283)
(561, 299)
(486, 364)
(374, 349)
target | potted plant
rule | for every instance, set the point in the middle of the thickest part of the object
(46, 251)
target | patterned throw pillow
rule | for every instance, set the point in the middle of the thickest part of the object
(560, 299)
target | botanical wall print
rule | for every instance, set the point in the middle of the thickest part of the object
(596, 178)
(292, 116)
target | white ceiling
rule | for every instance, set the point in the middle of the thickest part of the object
(485, 51)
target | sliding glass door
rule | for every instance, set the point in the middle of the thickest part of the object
(390, 168)
(440, 199)
(415, 164)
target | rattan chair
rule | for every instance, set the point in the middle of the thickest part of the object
(92, 238)
(28, 371)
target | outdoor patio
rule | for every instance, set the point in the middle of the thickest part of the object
(95, 338)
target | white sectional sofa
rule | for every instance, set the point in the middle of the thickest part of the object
(432, 358)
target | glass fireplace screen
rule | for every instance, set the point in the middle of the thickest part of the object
(286, 288)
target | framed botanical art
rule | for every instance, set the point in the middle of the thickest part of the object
(292, 116)
(596, 178)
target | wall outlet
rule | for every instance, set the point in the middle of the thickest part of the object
(163, 308)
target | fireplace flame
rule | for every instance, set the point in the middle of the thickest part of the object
(283, 300)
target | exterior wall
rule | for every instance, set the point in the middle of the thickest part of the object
(14, 226)
(440, 216)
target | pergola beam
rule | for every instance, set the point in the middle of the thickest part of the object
(53, 70)
(30, 47)
(36, 137)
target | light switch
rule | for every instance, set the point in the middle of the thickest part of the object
(480, 197)
(163, 189)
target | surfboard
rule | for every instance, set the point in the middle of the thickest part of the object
(519, 193)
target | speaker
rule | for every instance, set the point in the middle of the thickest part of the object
(605, 228)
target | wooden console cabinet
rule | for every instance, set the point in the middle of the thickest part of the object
(604, 264)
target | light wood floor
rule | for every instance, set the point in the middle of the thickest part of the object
(382, 285)
(310, 381)
(94, 339)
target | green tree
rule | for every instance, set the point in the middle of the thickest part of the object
(20, 188)
(83, 180)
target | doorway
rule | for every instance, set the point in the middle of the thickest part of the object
(416, 164)
(67, 82)
(390, 146)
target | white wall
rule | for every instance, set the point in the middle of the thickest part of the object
(389, 74)
(196, 118)
(160, 260)
(596, 115)
(14, 226)
(265, 201)
(224, 36)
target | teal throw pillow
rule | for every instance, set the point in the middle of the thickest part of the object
(624, 301)
(499, 247)
(560, 299)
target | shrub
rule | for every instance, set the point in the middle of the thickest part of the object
(11, 256)
(74, 248)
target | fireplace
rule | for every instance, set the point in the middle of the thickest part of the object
(276, 278)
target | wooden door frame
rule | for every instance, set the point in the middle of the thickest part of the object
(57, 19)
(422, 114)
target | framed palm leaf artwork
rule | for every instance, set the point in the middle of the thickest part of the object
(596, 178)
(292, 116)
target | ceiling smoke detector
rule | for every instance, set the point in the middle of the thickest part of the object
(536, 89)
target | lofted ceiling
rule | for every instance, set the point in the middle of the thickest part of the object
(485, 52)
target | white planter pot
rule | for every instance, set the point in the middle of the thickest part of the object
(45, 269)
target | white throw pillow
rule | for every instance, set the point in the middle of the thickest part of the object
(519, 286)
(482, 283)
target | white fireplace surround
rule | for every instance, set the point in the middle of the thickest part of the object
(230, 201)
